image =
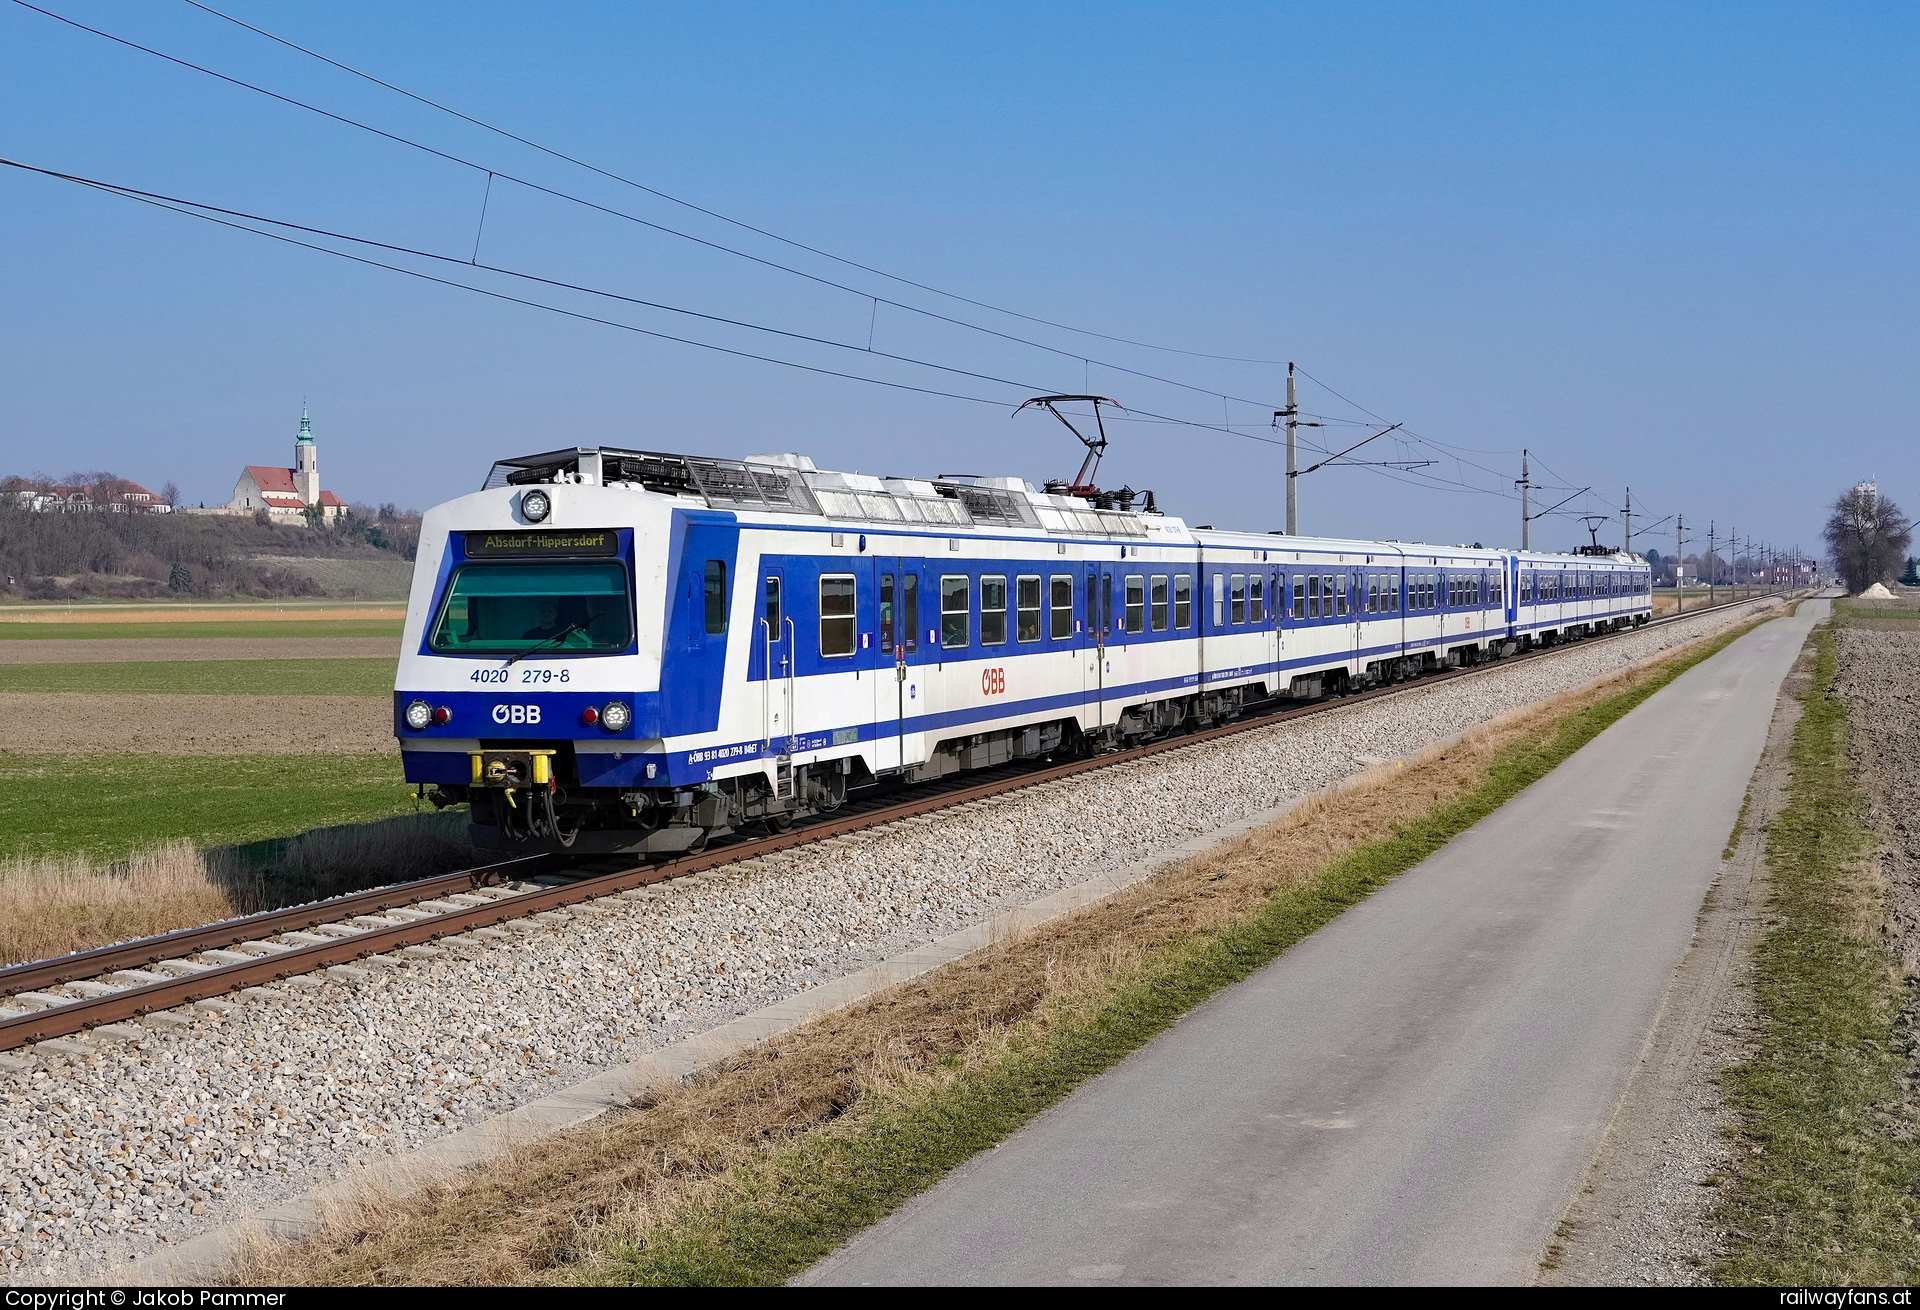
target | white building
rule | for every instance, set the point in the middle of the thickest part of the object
(287, 493)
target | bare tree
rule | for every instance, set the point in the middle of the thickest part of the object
(1867, 537)
(170, 493)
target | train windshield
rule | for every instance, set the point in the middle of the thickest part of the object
(504, 608)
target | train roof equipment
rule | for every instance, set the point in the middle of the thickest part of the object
(793, 484)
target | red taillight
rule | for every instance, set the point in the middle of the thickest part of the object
(589, 716)
(441, 715)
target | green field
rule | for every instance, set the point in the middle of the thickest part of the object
(251, 628)
(344, 677)
(111, 806)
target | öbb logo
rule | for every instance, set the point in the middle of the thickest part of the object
(516, 714)
(993, 682)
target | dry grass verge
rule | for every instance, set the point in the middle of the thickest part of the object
(55, 905)
(764, 1163)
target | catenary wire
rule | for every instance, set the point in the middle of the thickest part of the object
(711, 213)
(624, 215)
(192, 209)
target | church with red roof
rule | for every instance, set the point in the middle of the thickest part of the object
(288, 493)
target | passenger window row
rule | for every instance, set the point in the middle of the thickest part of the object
(1144, 600)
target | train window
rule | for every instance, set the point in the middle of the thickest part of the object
(1026, 600)
(1182, 601)
(993, 610)
(1313, 595)
(772, 607)
(1299, 597)
(715, 582)
(910, 610)
(1326, 598)
(837, 618)
(1256, 598)
(956, 619)
(886, 615)
(1340, 594)
(1219, 600)
(502, 608)
(1136, 603)
(1238, 593)
(1159, 601)
(1373, 593)
(1060, 607)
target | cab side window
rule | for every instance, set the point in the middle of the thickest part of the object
(715, 583)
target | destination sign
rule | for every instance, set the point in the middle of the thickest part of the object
(554, 542)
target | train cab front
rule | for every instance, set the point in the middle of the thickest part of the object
(528, 683)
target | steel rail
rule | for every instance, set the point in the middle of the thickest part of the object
(147, 950)
(131, 1002)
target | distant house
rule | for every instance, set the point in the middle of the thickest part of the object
(287, 493)
(115, 496)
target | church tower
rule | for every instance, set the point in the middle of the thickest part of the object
(306, 462)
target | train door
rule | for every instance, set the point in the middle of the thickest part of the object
(1275, 642)
(898, 699)
(1099, 621)
(1356, 584)
(775, 632)
(1511, 568)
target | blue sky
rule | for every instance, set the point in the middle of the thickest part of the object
(1671, 246)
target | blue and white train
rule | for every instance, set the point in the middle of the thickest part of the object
(623, 651)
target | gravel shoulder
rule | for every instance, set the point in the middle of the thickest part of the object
(1644, 1216)
(183, 1126)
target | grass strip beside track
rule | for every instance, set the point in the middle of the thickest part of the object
(263, 677)
(110, 806)
(756, 1169)
(38, 631)
(782, 1216)
(1827, 1192)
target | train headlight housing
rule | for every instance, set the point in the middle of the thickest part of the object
(615, 717)
(441, 715)
(536, 505)
(419, 715)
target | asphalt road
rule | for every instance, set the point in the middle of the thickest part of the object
(1412, 1094)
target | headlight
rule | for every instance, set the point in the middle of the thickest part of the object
(536, 506)
(615, 717)
(419, 715)
(441, 715)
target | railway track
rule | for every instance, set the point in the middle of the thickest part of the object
(113, 984)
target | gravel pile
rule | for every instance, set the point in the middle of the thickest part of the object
(204, 1115)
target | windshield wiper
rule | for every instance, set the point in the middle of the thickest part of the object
(561, 635)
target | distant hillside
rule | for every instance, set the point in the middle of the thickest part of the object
(64, 556)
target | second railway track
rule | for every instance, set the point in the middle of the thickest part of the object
(117, 983)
